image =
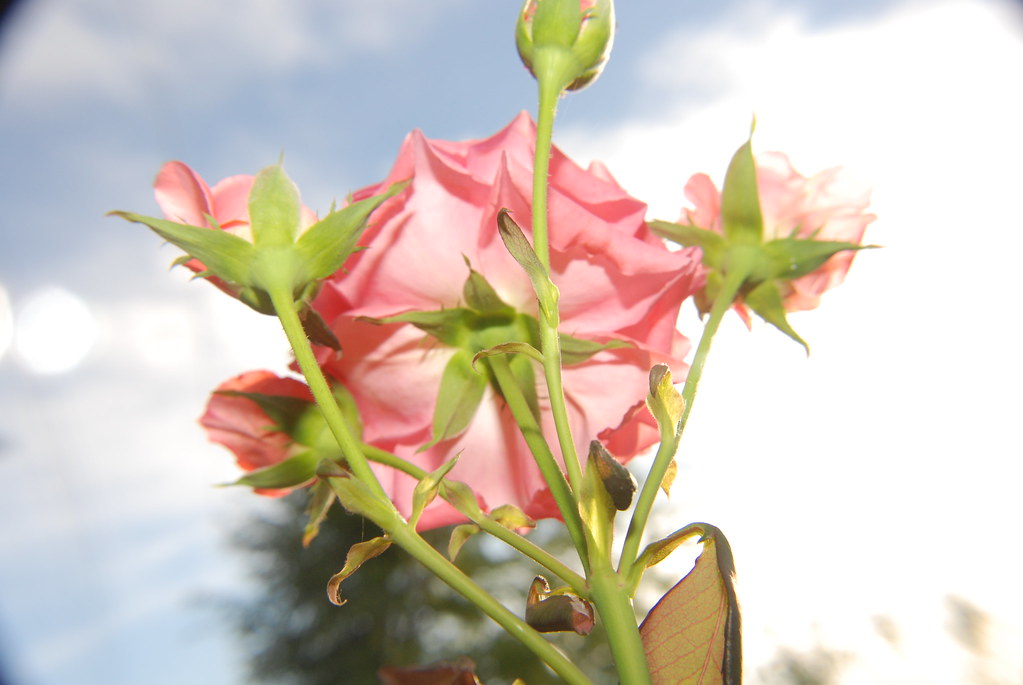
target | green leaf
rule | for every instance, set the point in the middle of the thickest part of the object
(740, 201)
(326, 245)
(522, 252)
(711, 242)
(460, 394)
(289, 473)
(511, 517)
(794, 257)
(224, 254)
(274, 208)
(765, 300)
(356, 497)
(358, 554)
(459, 536)
(577, 350)
(664, 401)
(427, 488)
(693, 633)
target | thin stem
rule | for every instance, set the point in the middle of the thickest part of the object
(284, 305)
(533, 436)
(669, 443)
(550, 344)
(522, 544)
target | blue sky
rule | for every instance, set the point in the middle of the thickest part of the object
(872, 479)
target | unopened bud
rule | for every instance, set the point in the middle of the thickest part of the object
(568, 40)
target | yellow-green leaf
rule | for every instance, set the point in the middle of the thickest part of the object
(358, 554)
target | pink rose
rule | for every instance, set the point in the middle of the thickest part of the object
(827, 206)
(617, 282)
(240, 425)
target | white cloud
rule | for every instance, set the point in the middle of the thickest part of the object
(110, 49)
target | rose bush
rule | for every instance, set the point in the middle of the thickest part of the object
(826, 206)
(617, 283)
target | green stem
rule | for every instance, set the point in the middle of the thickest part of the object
(550, 344)
(545, 460)
(669, 443)
(284, 305)
(510, 537)
(614, 605)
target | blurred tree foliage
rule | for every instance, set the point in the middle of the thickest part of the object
(397, 613)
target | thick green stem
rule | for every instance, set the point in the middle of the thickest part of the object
(510, 537)
(669, 443)
(614, 605)
(284, 305)
(533, 436)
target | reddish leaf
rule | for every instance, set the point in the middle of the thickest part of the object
(460, 673)
(692, 635)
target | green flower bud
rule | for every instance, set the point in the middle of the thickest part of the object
(567, 40)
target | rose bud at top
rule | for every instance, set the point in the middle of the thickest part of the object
(567, 40)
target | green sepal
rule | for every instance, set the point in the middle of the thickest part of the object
(795, 257)
(741, 218)
(449, 326)
(509, 348)
(459, 536)
(275, 208)
(460, 394)
(289, 473)
(525, 376)
(427, 488)
(358, 554)
(224, 254)
(766, 301)
(664, 401)
(321, 497)
(326, 245)
(556, 23)
(710, 242)
(577, 350)
(481, 296)
(523, 253)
